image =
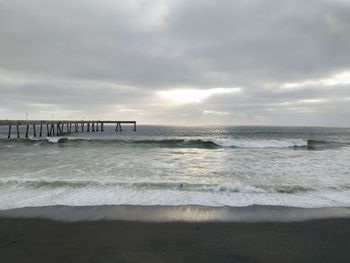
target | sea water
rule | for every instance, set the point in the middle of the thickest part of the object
(160, 165)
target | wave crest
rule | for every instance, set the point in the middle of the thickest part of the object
(236, 187)
(310, 144)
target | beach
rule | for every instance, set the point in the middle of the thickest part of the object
(28, 235)
(177, 194)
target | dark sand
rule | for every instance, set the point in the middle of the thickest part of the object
(44, 240)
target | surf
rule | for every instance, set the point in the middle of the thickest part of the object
(217, 143)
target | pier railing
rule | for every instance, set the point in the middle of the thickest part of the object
(59, 127)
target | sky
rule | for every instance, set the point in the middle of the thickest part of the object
(177, 62)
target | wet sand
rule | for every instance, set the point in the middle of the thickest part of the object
(47, 240)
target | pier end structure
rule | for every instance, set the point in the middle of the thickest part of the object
(59, 127)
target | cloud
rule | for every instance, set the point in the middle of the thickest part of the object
(338, 79)
(87, 57)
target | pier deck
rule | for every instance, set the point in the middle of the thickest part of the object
(59, 127)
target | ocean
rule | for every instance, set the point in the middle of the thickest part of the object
(162, 165)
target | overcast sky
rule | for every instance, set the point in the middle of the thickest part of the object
(267, 62)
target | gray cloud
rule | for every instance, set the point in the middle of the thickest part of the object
(109, 58)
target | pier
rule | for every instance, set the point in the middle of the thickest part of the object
(57, 127)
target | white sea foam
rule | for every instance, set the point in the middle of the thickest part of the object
(64, 139)
(18, 193)
(88, 196)
(260, 143)
(53, 139)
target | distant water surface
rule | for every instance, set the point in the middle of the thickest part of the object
(159, 165)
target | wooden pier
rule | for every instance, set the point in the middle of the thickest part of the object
(58, 128)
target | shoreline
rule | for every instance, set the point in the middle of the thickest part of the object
(183, 213)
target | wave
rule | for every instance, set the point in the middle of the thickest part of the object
(321, 144)
(310, 144)
(261, 143)
(180, 186)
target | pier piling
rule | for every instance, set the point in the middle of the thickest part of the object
(118, 128)
(91, 126)
(52, 130)
(27, 130)
(9, 135)
(58, 129)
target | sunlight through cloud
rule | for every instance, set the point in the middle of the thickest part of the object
(181, 96)
(212, 112)
(339, 79)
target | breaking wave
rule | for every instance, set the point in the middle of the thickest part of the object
(142, 186)
(188, 143)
